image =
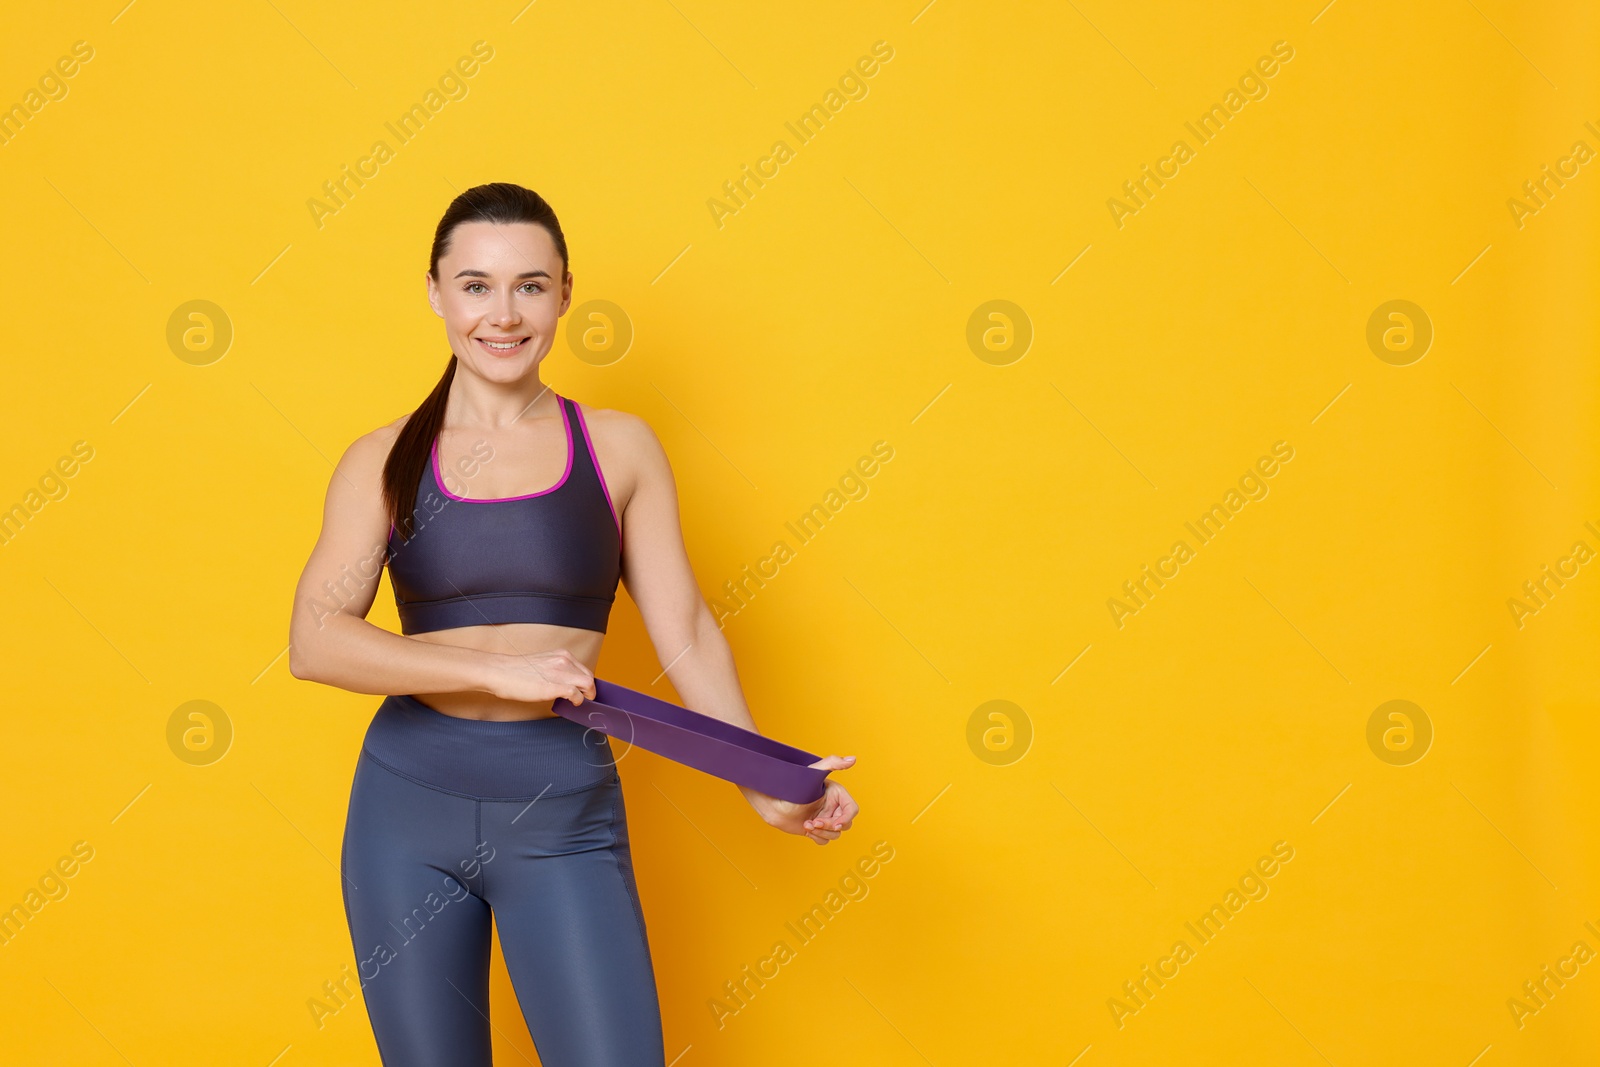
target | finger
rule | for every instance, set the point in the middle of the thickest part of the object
(835, 763)
(837, 814)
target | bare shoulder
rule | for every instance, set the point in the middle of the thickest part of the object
(367, 454)
(627, 431)
(356, 485)
(625, 447)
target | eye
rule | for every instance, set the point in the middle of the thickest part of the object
(469, 286)
(536, 286)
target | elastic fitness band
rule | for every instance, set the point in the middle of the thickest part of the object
(719, 748)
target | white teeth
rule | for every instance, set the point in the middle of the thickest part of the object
(500, 344)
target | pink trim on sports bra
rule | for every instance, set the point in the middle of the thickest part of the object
(571, 455)
(594, 457)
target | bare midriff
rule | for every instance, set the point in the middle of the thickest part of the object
(508, 638)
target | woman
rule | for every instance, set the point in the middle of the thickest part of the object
(470, 796)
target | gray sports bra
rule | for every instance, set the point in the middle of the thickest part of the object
(554, 556)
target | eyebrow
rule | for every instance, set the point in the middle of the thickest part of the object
(484, 274)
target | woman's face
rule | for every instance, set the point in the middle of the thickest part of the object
(500, 282)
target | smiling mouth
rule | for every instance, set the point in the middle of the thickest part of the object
(501, 348)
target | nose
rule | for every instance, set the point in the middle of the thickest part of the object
(504, 312)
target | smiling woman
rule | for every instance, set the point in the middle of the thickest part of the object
(504, 596)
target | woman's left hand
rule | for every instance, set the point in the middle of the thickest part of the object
(822, 820)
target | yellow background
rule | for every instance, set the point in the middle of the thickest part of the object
(769, 354)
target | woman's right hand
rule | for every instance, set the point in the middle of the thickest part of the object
(541, 677)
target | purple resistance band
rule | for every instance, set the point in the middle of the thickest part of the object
(699, 741)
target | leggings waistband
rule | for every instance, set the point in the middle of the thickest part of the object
(520, 759)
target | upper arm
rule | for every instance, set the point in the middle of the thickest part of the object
(342, 572)
(655, 563)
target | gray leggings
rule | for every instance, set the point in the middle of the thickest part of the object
(451, 819)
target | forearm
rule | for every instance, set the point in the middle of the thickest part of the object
(351, 653)
(706, 679)
(703, 672)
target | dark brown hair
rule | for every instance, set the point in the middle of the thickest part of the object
(496, 202)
